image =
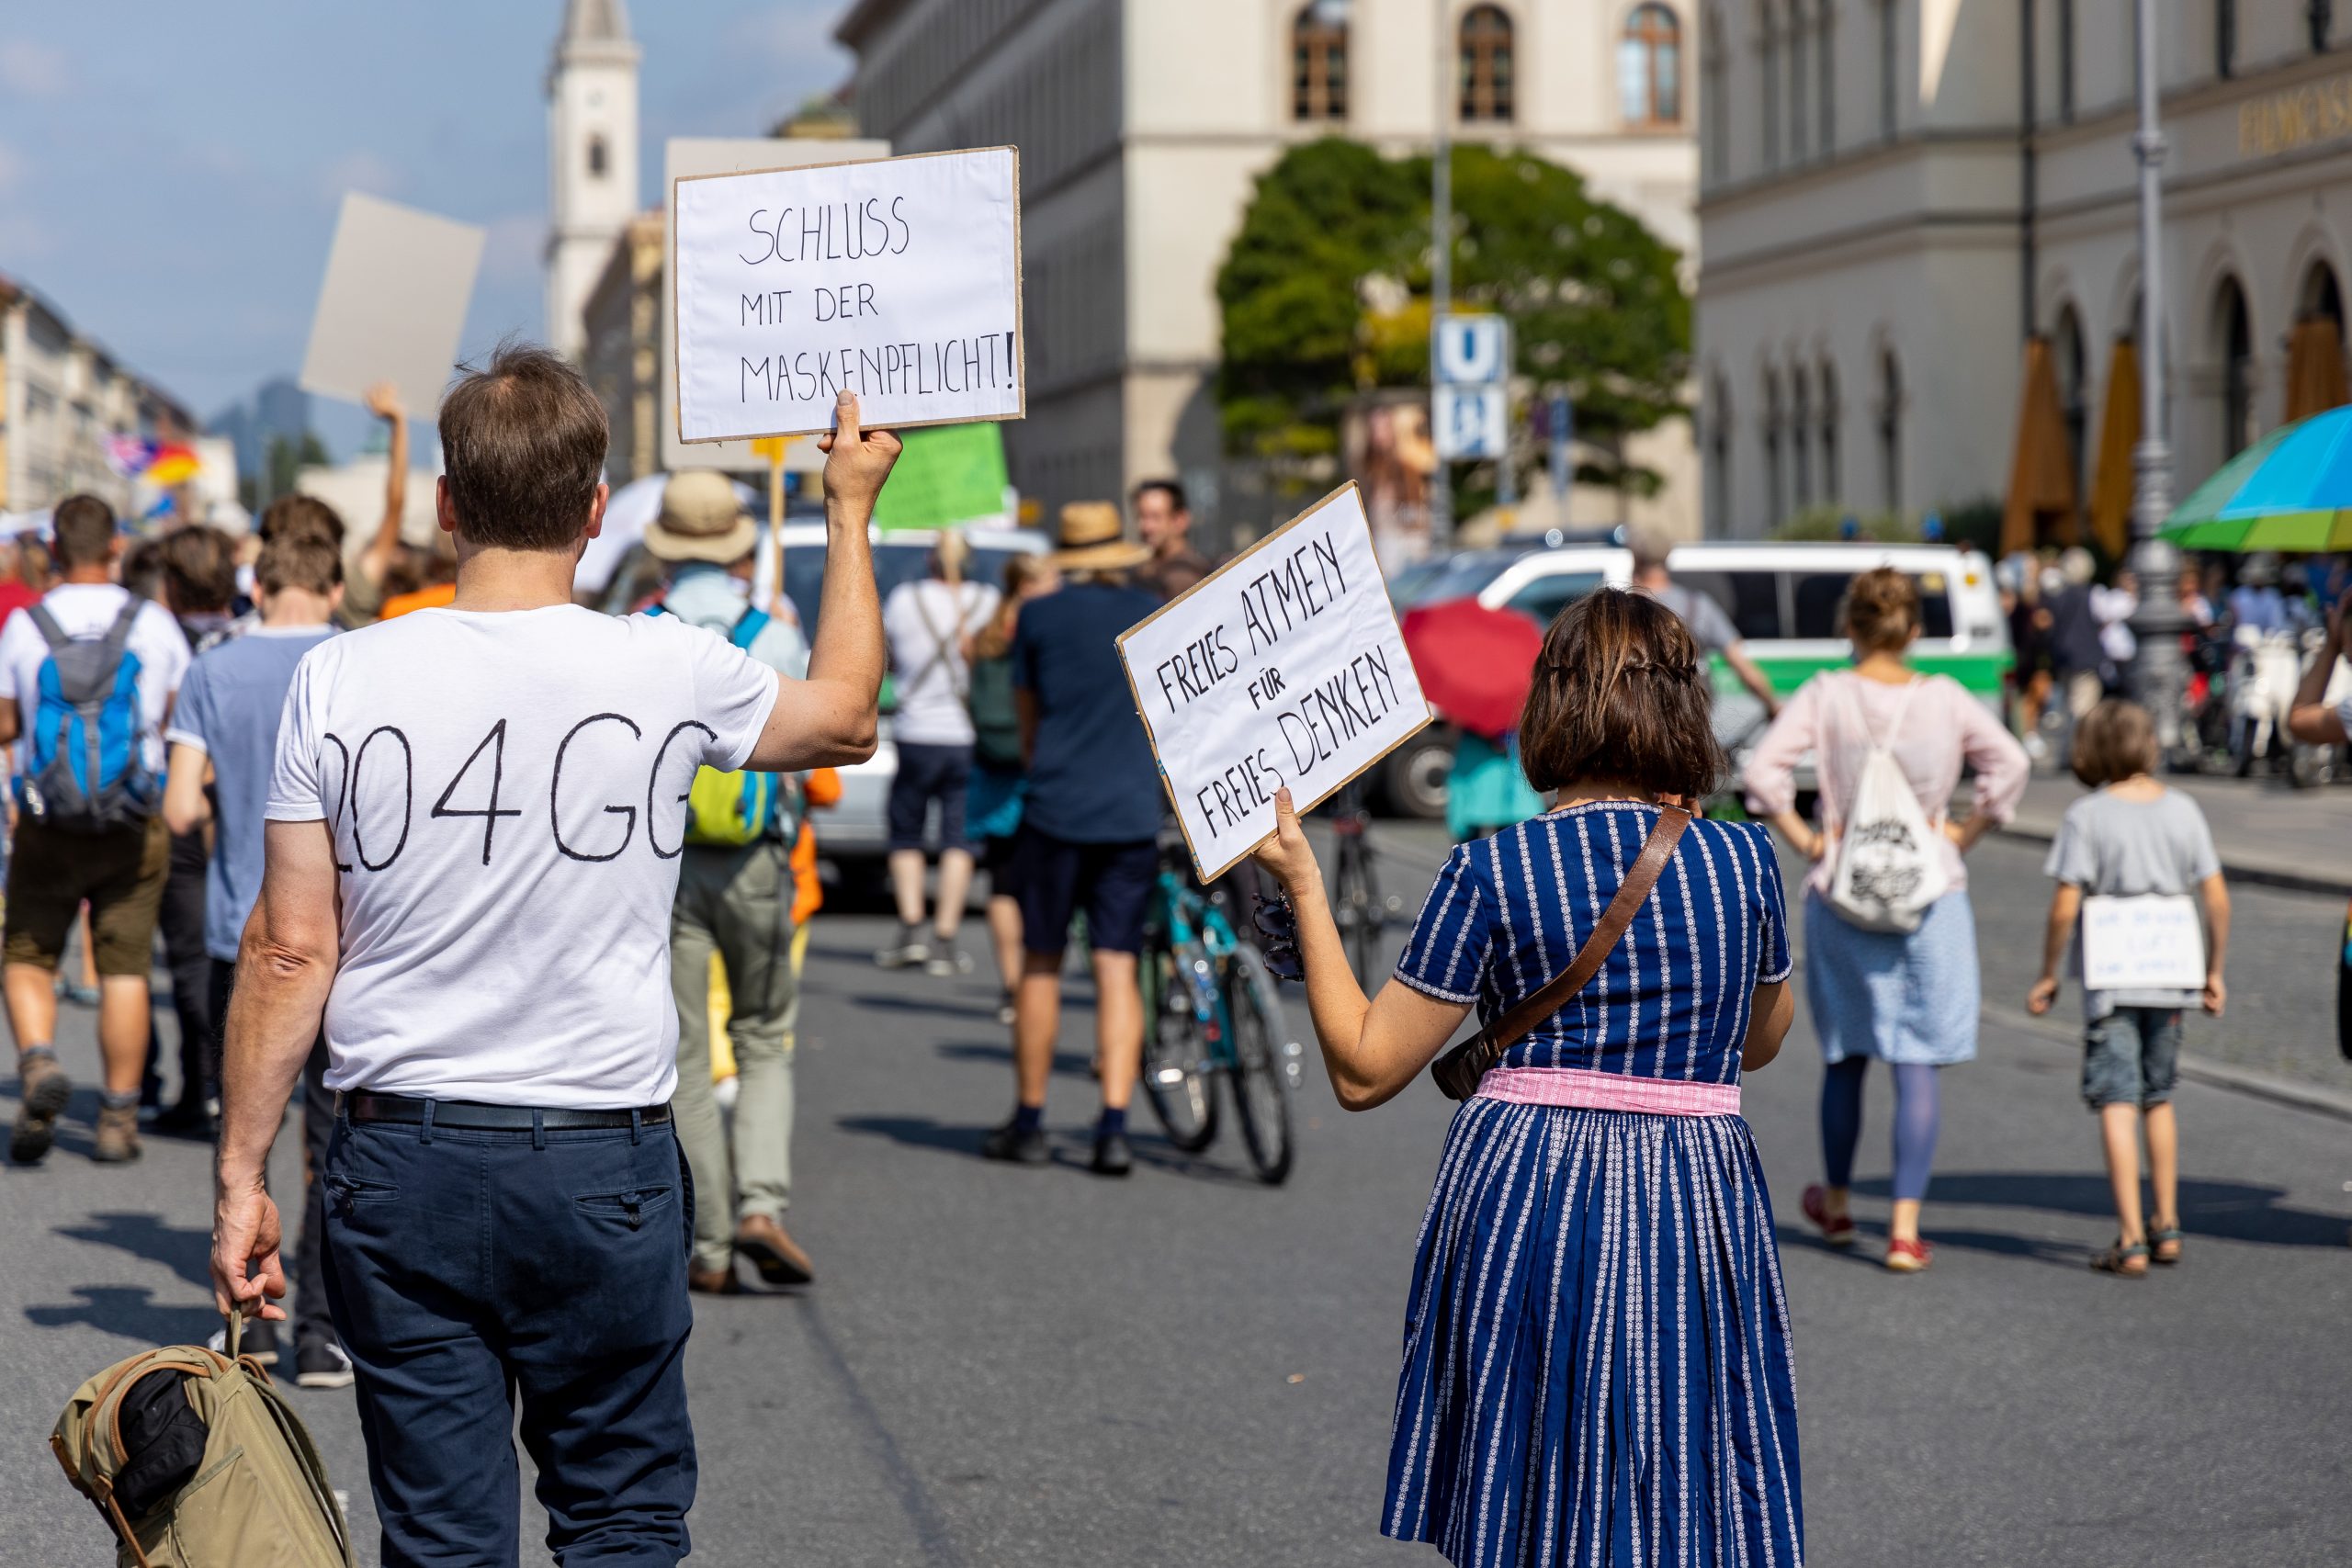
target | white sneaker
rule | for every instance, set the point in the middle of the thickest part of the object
(323, 1363)
(907, 950)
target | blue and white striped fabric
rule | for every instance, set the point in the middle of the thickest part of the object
(1596, 1359)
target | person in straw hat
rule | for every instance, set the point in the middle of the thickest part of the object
(734, 900)
(1089, 828)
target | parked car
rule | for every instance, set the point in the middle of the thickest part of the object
(854, 835)
(1784, 598)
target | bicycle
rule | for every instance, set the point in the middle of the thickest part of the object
(1356, 902)
(1211, 1009)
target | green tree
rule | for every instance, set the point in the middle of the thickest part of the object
(1324, 293)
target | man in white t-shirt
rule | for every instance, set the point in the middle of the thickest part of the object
(89, 827)
(931, 625)
(471, 851)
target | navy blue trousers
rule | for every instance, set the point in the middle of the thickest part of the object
(474, 1274)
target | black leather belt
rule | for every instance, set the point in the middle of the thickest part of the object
(468, 1116)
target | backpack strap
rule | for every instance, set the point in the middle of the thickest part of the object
(747, 630)
(46, 624)
(1458, 1071)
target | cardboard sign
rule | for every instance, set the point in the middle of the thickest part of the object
(1284, 666)
(897, 280)
(2151, 942)
(393, 304)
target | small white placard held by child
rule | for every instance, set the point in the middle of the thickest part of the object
(2152, 942)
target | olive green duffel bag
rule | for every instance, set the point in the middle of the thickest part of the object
(196, 1461)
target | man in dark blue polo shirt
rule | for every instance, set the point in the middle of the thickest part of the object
(1088, 829)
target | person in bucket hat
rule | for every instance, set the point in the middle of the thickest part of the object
(701, 520)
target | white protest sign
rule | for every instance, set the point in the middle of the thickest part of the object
(393, 303)
(2151, 942)
(1283, 667)
(897, 280)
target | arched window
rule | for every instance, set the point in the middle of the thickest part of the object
(1800, 436)
(1773, 492)
(1890, 433)
(597, 159)
(1649, 66)
(2233, 333)
(1833, 480)
(2319, 20)
(1319, 62)
(1487, 75)
(2068, 359)
(2225, 37)
(2321, 296)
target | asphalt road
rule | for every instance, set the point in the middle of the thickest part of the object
(1017, 1366)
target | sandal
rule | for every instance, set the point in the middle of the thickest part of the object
(1838, 1232)
(1910, 1256)
(2126, 1262)
(2164, 1245)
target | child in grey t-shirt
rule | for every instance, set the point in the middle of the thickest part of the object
(2130, 836)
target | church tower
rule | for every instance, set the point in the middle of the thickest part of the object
(591, 157)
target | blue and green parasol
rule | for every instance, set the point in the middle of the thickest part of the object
(2290, 491)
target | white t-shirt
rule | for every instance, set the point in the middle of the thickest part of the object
(87, 610)
(926, 623)
(507, 791)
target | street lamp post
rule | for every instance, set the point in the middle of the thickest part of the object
(2159, 673)
(1441, 261)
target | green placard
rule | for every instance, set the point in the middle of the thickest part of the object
(948, 474)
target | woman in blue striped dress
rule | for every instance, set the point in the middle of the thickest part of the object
(1597, 1361)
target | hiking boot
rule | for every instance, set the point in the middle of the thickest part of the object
(948, 960)
(777, 1256)
(117, 1137)
(42, 1090)
(321, 1363)
(907, 949)
(1014, 1146)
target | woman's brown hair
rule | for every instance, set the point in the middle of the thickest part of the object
(1881, 611)
(1620, 694)
(996, 638)
(2115, 741)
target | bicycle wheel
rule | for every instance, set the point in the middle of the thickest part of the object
(1355, 902)
(1175, 1070)
(1265, 1065)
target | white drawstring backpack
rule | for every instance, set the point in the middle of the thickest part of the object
(1888, 869)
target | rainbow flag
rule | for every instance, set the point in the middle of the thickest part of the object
(172, 465)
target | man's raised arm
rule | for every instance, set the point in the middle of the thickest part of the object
(830, 719)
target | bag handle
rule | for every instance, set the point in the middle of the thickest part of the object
(1458, 1071)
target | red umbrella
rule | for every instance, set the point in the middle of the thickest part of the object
(1475, 663)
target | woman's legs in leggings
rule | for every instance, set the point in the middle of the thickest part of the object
(1841, 1128)
(1917, 1118)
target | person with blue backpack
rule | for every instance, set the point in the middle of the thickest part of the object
(735, 898)
(89, 676)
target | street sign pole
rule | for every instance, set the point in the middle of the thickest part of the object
(2159, 673)
(1440, 258)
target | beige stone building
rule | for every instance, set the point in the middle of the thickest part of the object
(1896, 195)
(1142, 124)
(62, 397)
(621, 349)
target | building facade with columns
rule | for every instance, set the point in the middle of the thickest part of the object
(1142, 125)
(1898, 195)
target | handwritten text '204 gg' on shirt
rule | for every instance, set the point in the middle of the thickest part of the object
(507, 849)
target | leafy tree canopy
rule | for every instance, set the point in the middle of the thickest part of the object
(1324, 293)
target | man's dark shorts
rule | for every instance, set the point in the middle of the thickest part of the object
(119, 871)
(2131, 1057)
(926, 773)
(1053, 878)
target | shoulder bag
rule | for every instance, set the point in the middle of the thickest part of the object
(1458, 1071)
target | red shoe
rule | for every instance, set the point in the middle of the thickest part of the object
(1838, 1231)
(1910, 1256)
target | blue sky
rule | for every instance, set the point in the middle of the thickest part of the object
(170, 174)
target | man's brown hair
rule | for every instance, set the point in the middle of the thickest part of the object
(199, 570)
(83, 526)
(522, 444)
(300, 558)
(301, 513)
(1619, 695)
(2115, 741)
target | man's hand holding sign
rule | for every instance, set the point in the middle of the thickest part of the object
(1284, 669)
